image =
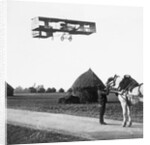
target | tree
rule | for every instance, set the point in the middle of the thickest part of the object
(18, 89)
(70, 90)
(61, 90)
(49, 90)
(53, 90)
(32, 90)
(26, 90)
(40, 89)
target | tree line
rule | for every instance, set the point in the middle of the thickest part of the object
(38, 89)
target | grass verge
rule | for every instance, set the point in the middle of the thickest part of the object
(22, 135)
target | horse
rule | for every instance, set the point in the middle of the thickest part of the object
(129, 92)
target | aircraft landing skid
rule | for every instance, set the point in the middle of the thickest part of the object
(66, 36)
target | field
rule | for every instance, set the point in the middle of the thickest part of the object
(49, 103)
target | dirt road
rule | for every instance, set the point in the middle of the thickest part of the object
(78, 126)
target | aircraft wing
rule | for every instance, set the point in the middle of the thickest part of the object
(43, 27)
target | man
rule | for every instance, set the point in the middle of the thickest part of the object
(102, 99)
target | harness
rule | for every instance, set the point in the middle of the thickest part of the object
(126, 85)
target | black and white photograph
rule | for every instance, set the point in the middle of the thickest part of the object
(74, 72)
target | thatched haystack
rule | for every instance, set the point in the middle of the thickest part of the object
(10, 89)
(85, 87)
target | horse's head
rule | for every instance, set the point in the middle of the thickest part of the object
(110, 82)
(113, 82)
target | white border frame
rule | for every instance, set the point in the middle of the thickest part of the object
(146, 46)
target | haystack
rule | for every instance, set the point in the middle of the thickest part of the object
(85, 87)
(10, 89)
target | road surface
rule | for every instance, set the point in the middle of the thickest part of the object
(74, 125)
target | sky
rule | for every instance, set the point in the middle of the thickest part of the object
(115, 48)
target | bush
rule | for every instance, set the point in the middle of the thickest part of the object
(69, 99)
(72, 99)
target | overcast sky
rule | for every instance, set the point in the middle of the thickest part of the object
(115, 48)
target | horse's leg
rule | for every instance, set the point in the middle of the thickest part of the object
(124, 110)
(129, 116)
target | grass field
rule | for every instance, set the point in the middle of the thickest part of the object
(49, 103)
(22, 135)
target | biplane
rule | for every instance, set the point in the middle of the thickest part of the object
(43, 27)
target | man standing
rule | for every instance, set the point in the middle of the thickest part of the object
(102, 99)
